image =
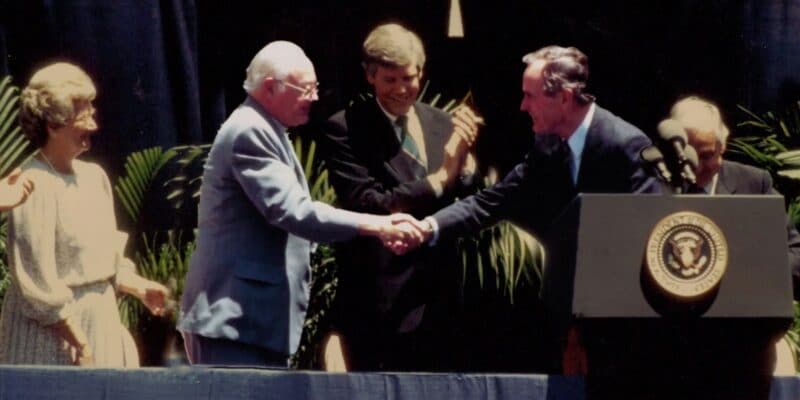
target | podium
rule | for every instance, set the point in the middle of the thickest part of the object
(673, 296)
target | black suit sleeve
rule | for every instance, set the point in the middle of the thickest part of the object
(484, 208)
(353, 164)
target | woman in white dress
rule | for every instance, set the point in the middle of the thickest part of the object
(64, 249)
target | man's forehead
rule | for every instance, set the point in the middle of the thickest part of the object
(409, 69)
(699, 137)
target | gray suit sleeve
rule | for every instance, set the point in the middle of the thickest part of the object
(276, 191)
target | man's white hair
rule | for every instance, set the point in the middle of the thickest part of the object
(277, 60)
(699, 114)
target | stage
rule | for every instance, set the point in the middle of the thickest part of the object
(33, 383)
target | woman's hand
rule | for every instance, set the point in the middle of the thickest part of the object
(156, 297)
(84, 356)
(71, 331)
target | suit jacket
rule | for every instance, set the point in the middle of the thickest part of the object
(371, 173)
(248, 277)
(736, 178)
(536, 191)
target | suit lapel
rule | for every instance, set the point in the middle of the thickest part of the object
(282, 135)
(435, 134)
(590, 160)
(396, 161)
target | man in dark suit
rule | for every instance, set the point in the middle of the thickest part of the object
(707, 133)
(578, 147)
(391, 153)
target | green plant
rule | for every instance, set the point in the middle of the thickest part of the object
(323, 263)
(772, 141)
(14, 150)
(141, 169)
(505, 252)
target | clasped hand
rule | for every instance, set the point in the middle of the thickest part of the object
(400, 232)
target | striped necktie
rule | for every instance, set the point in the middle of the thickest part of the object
(407, 142)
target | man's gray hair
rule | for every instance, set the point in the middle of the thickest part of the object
(696, 113)
(392, 45)
(565, 68)
(277, 60)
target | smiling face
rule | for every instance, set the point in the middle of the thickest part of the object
(74, 138)
(547, 111)
(396, 88)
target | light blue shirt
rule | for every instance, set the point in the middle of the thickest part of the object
(577, 141)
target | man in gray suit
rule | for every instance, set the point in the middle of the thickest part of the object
(247, 288)
(707, 133)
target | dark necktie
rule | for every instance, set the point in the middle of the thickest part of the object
(557, 158)
(409, 146)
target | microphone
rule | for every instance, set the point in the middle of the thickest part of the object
(687, 169)
(652, 156)
(672, 131)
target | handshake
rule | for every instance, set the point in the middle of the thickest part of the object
(399, 232)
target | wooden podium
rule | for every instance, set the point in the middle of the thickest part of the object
(673, 296)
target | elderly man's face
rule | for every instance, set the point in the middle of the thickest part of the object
(709, 154)
(292, 102)
(396, 88)
(547, 112)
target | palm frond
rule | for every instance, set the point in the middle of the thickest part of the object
(141, 168)
(14, 150)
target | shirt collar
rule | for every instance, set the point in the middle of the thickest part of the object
(277, 125)
(577, 141)
(711, 187)
(392, 117)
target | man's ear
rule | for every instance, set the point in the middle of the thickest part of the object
(566, 96)
(370, 76)
(270, 85)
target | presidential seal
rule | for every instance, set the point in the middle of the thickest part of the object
(687, 254)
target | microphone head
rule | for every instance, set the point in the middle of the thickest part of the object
(671, 129)
(651, 154)
(691, 157)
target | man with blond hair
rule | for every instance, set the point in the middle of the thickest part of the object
(391, 153)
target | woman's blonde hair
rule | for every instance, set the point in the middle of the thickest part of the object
(50, 99)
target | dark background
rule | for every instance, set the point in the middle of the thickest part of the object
(169, 71)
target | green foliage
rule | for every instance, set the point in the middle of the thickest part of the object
(14, 150)
(323, 263)
(505, 252)
(772, 141)
(166, 263)
(793, 335)
(187, 179)
(141, 169)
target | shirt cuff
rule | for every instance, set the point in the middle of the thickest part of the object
(434, 230)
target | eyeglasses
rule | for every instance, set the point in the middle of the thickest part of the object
(309, 91)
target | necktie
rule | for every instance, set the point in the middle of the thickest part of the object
(406, 141)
